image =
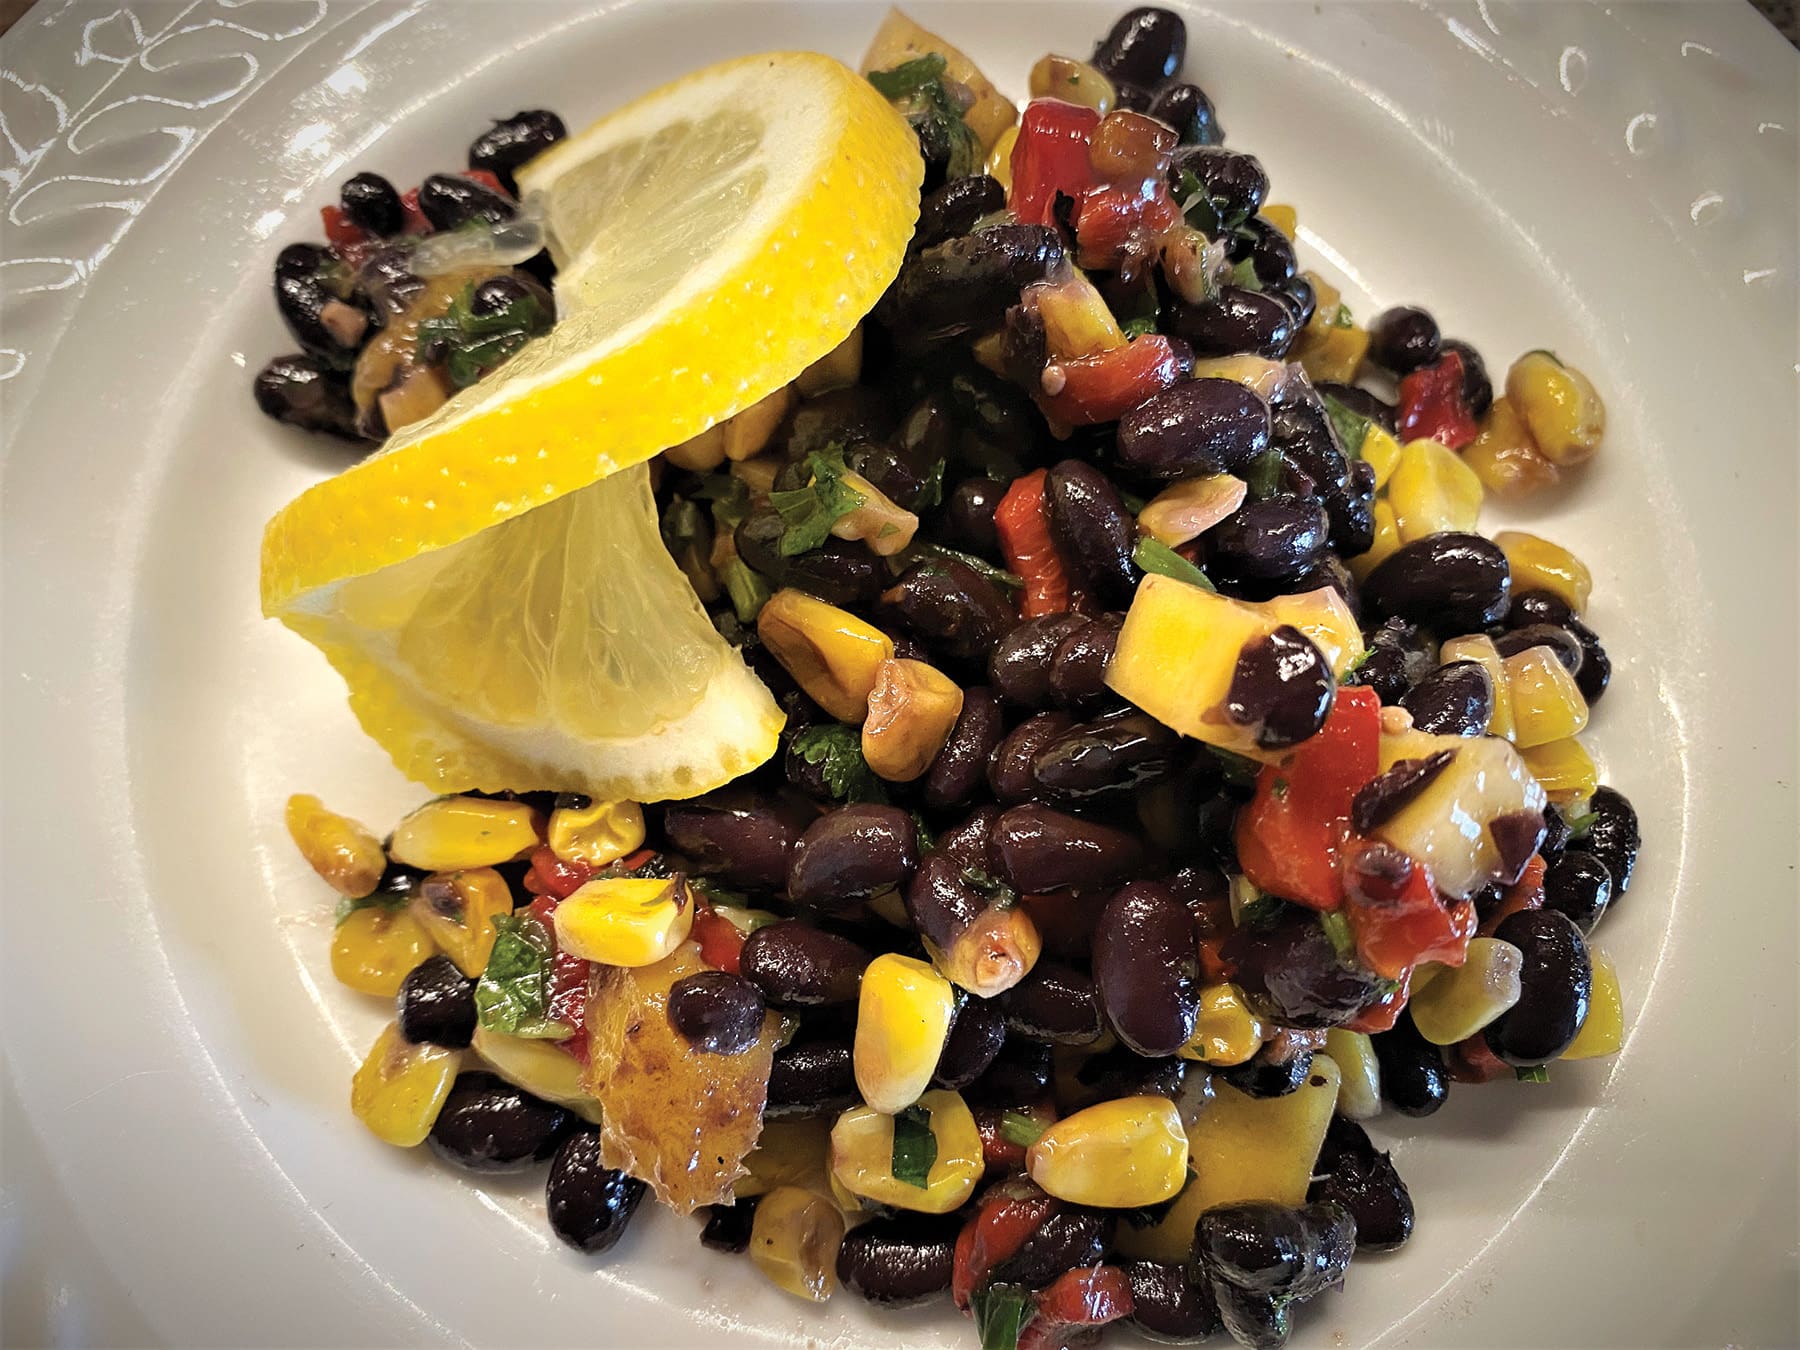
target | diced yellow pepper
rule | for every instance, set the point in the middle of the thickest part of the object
(1604, 1031)
(1559, 405)
(625, 921)
(1325, 617)
(1565, 768)
(1359, 1092)
(1505, 458)
(1387, 541)
(1539, 565)
(1333, 354)
(452, 833)
(1325, 312)
(459, 910)
(401, 1087)
(1117, 1154)
(1480, 647)
(1283, 217)
(1547, 704)
(1459, 1001)
(337, 848)
(903, 1018)
(375, 948)
(1432, 490)
(999, 160)
(1383, 453)
(794, 1241)
(597, 834)
(862, 1156)
(1226, 1032)
(1267, 378)
(832, 654)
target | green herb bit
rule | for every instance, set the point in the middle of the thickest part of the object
(910, 77)
(915, 1147)
(1351, 426)
(730, 498)
(1001, 1312)
(980, 566)
(748, 591)
(1244, 274)
(377, 899)
(1264, 474)
(1152, 555)
(1240, 770)
(808, 513)
(1581, 824)
(837, 749)
(1337, 928)
(1341, 317)
(1020, 1130)
(1537, 1073)
(513, 994)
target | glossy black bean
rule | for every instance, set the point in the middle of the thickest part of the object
(1266, 1075)
(1400, 655)
(1450, 583)
(837, 572)
(1289, 969)
(951, 608)
(1557, 835)
(1055, 1003)
(1353, 1173)
(327, 327)
(960, 769)
(387, 279)
(898, 1260)
(969, 515)
(589, 1204)
(742, 837)
(1192, 428)
(1020, 1075)
(904, 475)
(1093, 532)
(1531, 607)
(1596, 666)
(450, 201)
(1187, 108)
(1239, 320)
(728, 1227)
(1271, 254)
(1264, 1248)
(1010, 777)
(967, 840)
(1557, 638)
(1168, 1304)
(1146, 968)
(1020, 665)
(1236, 183)
(1078, 667)
(797, 965)
(995, 412)
(305, 392)
(1110, 758)
(488, 1125)
(852, 853)
(1144, 47)
(436, 1005)
(1024, 348)
(975, 1039)
(1120, 1072)
(718, 1012)
(854, 415)
(1282, 688)
(1456, 699)
(1255, 1321)
(1404, 338)
(1274, 539)
(512, 142)
(1072, 1237)
(1359, 400)
(966, 284)
(943, 899)
(1556, 980)
(954, 208)
(1477, 388)
(371, 202)
(1577, 884)
(1613, 836)
(811, 1078)
(1393, 788)
(1301, 298)
(1414, 1080)
(1040, 850)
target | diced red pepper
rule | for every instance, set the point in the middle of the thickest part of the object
(995, 1234)
(721, 944)
(550, 875)
(1432, 406)
(487, 179)
(632, 861)
(1382, 1014)
(1000, 1155)
(1525, 893)
(1395, 933)
(1089, 1296)
(568, 989)
(351, 241)
(1104, 388)
(1471, 1061)
(1022, 520)
(416, 223)
(1114, 224)
(1290, 835)
(1050, 156)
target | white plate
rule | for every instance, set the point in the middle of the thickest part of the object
(1615, 183)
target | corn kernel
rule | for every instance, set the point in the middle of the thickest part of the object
(538, 1067)
(903, 1017)
(1565, 769)
(794, 1242)
(912, 709)
(1284, 218)
(999, 160)
(1266, 378)
(1359, 1092)
(1559, 405)
(1387, 541)
(625, 921)
(1333, 354)
(336, 847)
(452, 833)
(839, 368)
(1479, 647)
(1383, 453)
(832, 654)
(787, 1153)
(401, 1087)
(1117, 1154)
(1463, 1000)
(862, 1156)
(1604, 1031)
(1505, 458)
(596, 834)
(750, 431)
(877, 521)
(1539, 565)
(1184, 511)
(1076, 319)
(1547, 705)
(1072, 81)
(1432, 491)
(994, 952)
(702, 453)
(375, 948)
(458, 909)
(1226, 1032)
(758, 475)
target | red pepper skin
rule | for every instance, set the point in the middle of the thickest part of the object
(720, 942)
(1103, 388)
(1525, 893)
(567, 999)
(351, 241)
(1382, 1014)
(1050, 156)
(1022, 520)
(994, 1235)
(1001, 1156)
(1395, 934)
(1089, 1296)
(1471, 1061)
(415, 218)
(1290, 835)
(487, 179)
(550, 875)
(1114, 223)
(1432, 406)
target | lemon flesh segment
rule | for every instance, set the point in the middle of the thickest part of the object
(561, 650)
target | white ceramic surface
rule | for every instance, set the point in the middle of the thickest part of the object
(1617, 183)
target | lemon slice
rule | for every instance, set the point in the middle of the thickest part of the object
(500, 605)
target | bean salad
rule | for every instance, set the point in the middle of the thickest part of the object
(1174, 779)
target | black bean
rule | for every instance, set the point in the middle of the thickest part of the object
(1302, 300)
(1040, 850)
(1093, 532)
(371, 202)
(511, 143)
(1531, 607)
(1020, 665)
(975, 1038)
(1577, 884)
(1019, 1076)
(1168, 1304)
(1269, 1075)
(1111, 758)
(898, 1260)
(1289, 969)
(955, 207)
(797, 965)
(1261, 1247)
(1120, 1072)
(1450, 582)
(1403, 338)
(590, 1204)
(1055, 1003)
(305, 392)
(969, 514)
(967, 284)
(1146, 967)
(728, 1226)
(1359, 400)
(1186, 108)
(943, 899)
(1554, 636)
(960, 769)
(1613, 836)
(387, 279)
(1414, 1080)
(1596, 666)
(1024, 347)
(1477, 389)
(854, 415)
(716, 1011)
(1274, 539)
(1255, 1321)
(1144, 47)
(1556, 980)
(811, 1078)
(838, 572)
(436, 1005)
(1516, 836)
(1133, 97)
(967, 840)
(1078, 668)
(1351, 1172)
(902, 473)
(1239, 320)
(1236, 183)
(997, 413)
(1400, 655)
(1072, 1237)
(488, 1125)
(1456, 699)
(1556, 835)
(951, 608)
(1346, 488)
(1282, 687)
(450, 201)
(1009, 770)
(310, 309)
(1271, 254)
(742, 837)
(1195, 427)
(852, 853)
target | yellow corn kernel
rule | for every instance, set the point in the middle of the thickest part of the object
(1604, 1031)
(891, 907)
(1359, 1092)
(1267, 378)
(1118, 1154)
(832, 654)
(997, 950)
(903, 1017)
(1325, 315)
(1283, 217)
(1480, 647)
(1539, 565)
(794, 1242)
(1184, 511)
(1387, 541)
(758, 476)
(1462, 1000)
(1433, 491)
(1076, 319)
(401, 1087)
(1559, 405)
(625, 921)
(839, 368)
(747, 433)
(862, 1156)
(375, 948)
(1383, 453)
(336, 847)
(1547, 705)
(1505, 458)
(702, 453)
(876, 520)
(1565, 769)
(538, 1067)
(458, 909)
(1333, 354)
(598, 833)
(1072, 81)
(912, 709)
(1226, 1032)
(999, 160)
(452, 833)
(787, 1153)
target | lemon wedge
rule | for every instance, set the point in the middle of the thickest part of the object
(490, 585)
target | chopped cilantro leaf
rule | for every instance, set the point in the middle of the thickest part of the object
(837, 749)
(915, 1146)
(1152, 555)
